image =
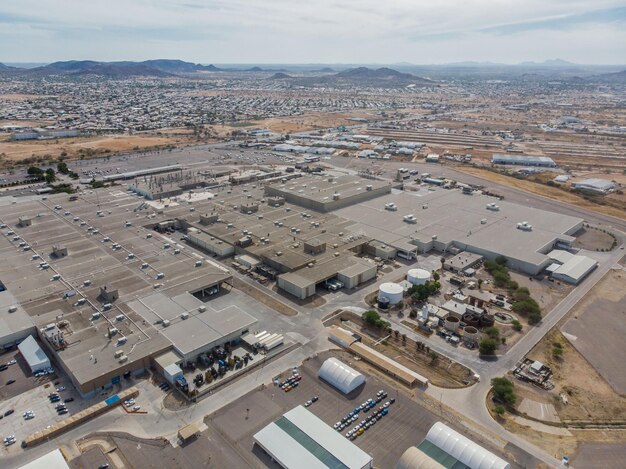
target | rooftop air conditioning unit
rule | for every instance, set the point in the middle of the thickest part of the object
(118, 353)
(198, 263)
(12, 309)
(201, 309)
(160, 275)
(123, 358)
(119, 317)
(95, 316)
(166, 322)
(121, 341)
(86, 283)
(184, 316)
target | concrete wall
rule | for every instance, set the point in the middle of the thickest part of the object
(295, 290)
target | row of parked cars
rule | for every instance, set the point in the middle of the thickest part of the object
(368, 421)
(290, 383)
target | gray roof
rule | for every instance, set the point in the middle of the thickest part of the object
(523, 159)
(32, 352)
(300, 439)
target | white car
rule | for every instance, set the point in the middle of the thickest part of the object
(9, 440)
(12, 362)
(61, 388)
(136, 408)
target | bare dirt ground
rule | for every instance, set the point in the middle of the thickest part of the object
(589, 397)
(545, 191)
(597, 330)
(592, 239)
(305, 122)
(15, 152)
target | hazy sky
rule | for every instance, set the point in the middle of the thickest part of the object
(314, 31)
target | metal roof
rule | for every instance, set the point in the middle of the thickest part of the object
(451, 444)
(300, 439)
(340, 375)
(576, 267)
(52, 460)
(32, 352)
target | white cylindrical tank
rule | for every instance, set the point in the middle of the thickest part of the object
(418, 276)
(451, 323)
(392, 291)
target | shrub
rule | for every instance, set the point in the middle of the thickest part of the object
(534, 318)
(372, 318)
(516, 325)
(503, 391)
(487, 346)
(493, 332)
(499, 410)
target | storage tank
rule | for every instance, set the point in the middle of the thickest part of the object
(470, 334)
(471, 319)
(392, 291)
(451, 323)
(418, 276)
(487, 320)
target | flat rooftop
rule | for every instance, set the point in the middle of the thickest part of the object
(90, 227)
(199, 328)
(321, 189)
(451, 216)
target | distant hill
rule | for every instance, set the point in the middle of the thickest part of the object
(149, 68)
(616, 77)
(280, 76)
(382, 77)
(379, 76)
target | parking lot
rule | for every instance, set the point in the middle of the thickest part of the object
(405, 424)
(19, 373)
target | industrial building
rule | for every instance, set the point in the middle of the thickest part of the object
(523, 160)
(299, 439)
(33, 354)
(444, 447)
(568, 267)
(52, 460)
(96, 310)
(341, 376)
(600, 186)
(449, 221)
(325, 194)
(15, 323)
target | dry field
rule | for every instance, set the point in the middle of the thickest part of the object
(15, 152)
(543, 190)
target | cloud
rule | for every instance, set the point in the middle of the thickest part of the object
(320, 31)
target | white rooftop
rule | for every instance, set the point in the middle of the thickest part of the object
(293, 438)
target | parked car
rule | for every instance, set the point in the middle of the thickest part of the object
(11, 381)
(69, 399)
(8, 412)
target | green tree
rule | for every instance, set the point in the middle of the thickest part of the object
(50, 176)
(62, 167)
(503, 391)
(372, 318)
(487, 346)
(516, 325)
(534, 318)
(501, 260)
(499, 410)
(436, 276)
(493, 332)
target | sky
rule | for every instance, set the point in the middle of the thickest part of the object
(314, 31)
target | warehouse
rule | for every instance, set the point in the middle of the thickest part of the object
(600, 186)
(325, 194)
(351, 271)
(444, 447)
(447, 220)
(523, 160)
(190, 325)
(33, 354)
(52, 460)
(15, 323)
(570, 268)
(340, 375)
(299, 439)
